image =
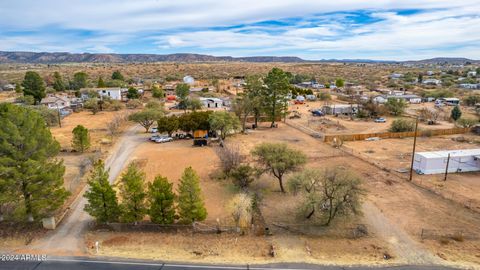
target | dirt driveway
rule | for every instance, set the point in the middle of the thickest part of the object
(68, 238)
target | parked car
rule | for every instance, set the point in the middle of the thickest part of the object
(317, 113)
(380, 120)
(154, 137)
(154, 130)
(163, 139)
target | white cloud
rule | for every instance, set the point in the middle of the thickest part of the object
(443, 28)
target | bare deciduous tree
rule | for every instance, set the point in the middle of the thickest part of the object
(327, 194)
(230, 157)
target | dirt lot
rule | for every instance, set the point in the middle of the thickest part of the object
(404, 205)
(396, 154)
(170, 159)
(232, 248)
(343, 124)
(402, 211)
(96, 124)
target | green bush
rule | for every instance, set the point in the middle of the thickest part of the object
(402, 125)
(466, 122)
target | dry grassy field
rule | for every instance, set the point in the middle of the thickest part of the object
(96, 124)
(324, 72)
(405, 209)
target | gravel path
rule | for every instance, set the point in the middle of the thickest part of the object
(68, 238)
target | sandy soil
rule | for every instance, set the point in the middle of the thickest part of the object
(396, 154)
(170, 159)
(343, 124)
(406, 206)
(97, 125)
(8, 96)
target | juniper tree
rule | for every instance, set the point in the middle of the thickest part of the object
(133, 194)
(58, 83)
(102, 198)
(81, 138)
(29, 172)
(456, 113)
(161, 200)
(101, 83)
(191, 207)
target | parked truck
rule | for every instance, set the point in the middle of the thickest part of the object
(200, 137)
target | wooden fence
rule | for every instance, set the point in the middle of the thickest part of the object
(386, 135)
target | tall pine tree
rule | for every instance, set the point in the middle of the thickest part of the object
(274, 96)
(191, 207)
(81, 138)
(102, 198)
(29, 172)
(33, 85)
(161, 200)
(133, 194)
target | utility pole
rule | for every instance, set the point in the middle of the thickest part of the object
(59, 117)
(446, 168)
(413, 151)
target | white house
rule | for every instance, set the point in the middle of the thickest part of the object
(448, 101)
(408, 98)
(396, 76)
(467, 160)
(189, 80)
(472, 73)
(470, 85)
(211, 102)
(335, 109)
(112, 93)
(432, 81)
(56, 102)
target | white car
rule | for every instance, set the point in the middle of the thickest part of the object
(154, 137)
(380, 120)
(154, 130)
(163, 139)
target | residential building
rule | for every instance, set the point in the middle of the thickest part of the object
(56, 102)
(469, 85)
(337, 109)
(211, 102)
(434, 162)
(189, 80)
(432, 81)
(396, 76)
(113, 93)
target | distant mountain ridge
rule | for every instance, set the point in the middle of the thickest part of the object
(65, 57)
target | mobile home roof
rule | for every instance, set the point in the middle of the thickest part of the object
(453, 153)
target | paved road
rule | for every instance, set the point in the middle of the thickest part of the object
(68, 239)
(86, 264)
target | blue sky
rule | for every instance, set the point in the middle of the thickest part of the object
(316, 29)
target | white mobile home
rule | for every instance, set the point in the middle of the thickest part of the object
(467, 160)
(211, 102)
(112, 93)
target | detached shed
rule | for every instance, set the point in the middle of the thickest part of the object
(467, 160)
